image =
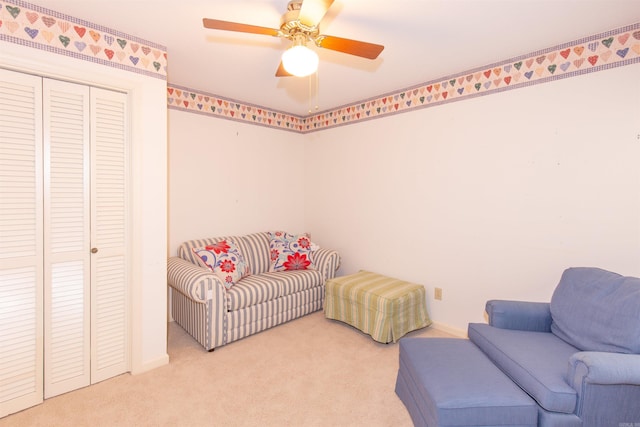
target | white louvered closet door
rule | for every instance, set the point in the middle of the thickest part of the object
(21, 244)
(67, 256)
(109, 278)
(64, 300)
(86, 280)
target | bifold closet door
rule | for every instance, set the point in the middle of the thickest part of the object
(21, 242)
(86, 279)
(67, 254)
(64, 269)
(109, 231)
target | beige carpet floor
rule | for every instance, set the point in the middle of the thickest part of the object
(308, 372)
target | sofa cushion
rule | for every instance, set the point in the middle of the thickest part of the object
(255, 248)
(536, 361)
(597, 310)
(297, 280)
(252, 290)
(290, 252)
(224, 259)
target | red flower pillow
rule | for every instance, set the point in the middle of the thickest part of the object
(291, 252)
(225, 260)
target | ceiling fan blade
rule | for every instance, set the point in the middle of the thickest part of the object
(352, 47)
(312, 11)
(216, 24)
(281, 72)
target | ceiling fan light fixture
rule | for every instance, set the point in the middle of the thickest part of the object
(299, 60)
(300, 24)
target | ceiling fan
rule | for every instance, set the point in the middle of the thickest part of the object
(300, 24)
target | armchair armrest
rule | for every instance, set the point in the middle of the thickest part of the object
(520, 315)
(327, 262)
(597, 367)
(192, 280)
(608, 387)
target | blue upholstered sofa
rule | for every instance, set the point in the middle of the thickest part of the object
(577, 358)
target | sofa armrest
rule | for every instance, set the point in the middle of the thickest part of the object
(192, 280)
(327, 262)
(597, 367)
(520, 315)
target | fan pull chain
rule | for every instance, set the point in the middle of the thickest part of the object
(310, 94)
(317, 89)
(317, 92)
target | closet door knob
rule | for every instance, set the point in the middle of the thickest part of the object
(94, 250)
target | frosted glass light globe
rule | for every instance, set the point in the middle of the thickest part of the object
(300, 61)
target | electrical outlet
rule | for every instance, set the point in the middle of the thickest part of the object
(437, 294)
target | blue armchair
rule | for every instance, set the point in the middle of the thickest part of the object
(578, 356)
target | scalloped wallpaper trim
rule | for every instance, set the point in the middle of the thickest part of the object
(34, 26)
(30, 25)
(182, 98)
(611, 49)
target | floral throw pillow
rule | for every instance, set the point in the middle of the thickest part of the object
(291, 252)
(225, 260)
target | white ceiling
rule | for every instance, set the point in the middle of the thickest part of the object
(424, 40)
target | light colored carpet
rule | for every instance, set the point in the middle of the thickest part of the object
(308, 372)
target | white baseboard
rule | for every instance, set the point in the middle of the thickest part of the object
(460, 333)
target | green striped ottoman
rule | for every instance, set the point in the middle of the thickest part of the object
(381, 306)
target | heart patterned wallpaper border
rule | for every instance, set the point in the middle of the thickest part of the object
(34, 26)
(599, 52)
(191, 100)
(30, 25)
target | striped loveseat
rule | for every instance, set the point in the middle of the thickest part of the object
(215, 315)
